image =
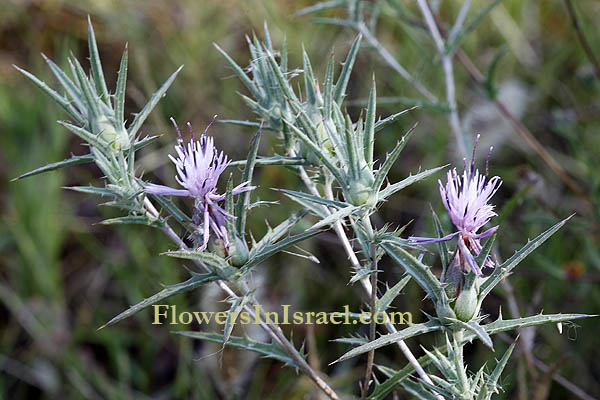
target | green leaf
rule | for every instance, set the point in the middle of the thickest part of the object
(338, 215)
(393, 188)
(192, 283)
(503, 270)
(419, 271)
(309, 79)
(325, 159)
(274, 234)
(97, 73)
(502, 325)
(240, 73)
(86, 88)
(385, 340)
(369, 137)
(120, 92)
(490, 386)
(174, 211)
(269, 350)
(274, 160)
(98, 191)
(141, 117)
(64, 103)
(84, 134)
(391, 159)
(485, 251)
(236, 307)
(442, 246)
(74, 160)
(134, 219)
(217, 264)
(379, 125)
(244, 197)
(342, 82)
(270, 249)
(383, 303)
(478, 330)
(312, 198)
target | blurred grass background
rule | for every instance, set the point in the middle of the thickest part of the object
(63, 276)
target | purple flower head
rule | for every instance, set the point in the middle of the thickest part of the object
(199, 166)
(466, 198)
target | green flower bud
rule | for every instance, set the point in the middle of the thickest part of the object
(361, 191)
(117, 138)
(238, 250)
(466, 305)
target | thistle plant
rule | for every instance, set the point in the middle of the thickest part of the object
(345, 184)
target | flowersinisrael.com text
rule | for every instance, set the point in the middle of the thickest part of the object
(168, 314)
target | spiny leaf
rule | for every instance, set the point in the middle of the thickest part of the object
(420, 272)
(369, 137)
(269, 350)
(391, 159)
(336, 216)
(174, 211)
(442, 246)
(97, 73)
(154, 99)
(134, 219)
(64, 103)
(313, 198)
(342, 82)
(379, 125)
(383, 303)
(244, 197)
(86, 87)
(120, 92)
(274, 160)
(192, 283)
(274, 234)
(98, 191)
(411, 331)
(490, 386)
(274, 248)
(74, 160)
(236, 307)
(504, 269)
(393, 188)
(217, 264)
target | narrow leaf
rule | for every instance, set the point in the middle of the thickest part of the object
(141, 117)
(74, 160)
(244, 197)
(383, 303)
(385, 340)
(97, 73)
(391, 189)
(120, 92)
(192, 283)
(342, 82)
(391, 159)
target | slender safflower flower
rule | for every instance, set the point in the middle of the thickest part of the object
(466, 198)
(199, 166)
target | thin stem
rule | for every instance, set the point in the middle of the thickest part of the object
(339, 230)
(273, 331)
(392, 62)
(584, 43)
(460, 19)
(448, 70)
(373, 300)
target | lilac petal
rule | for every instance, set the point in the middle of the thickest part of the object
(426, 240)
(487, 233)
(464, 251)
(152, 188)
